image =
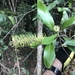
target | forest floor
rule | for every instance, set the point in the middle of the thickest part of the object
(26, 64)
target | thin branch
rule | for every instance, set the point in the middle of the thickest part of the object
(27, 56)
(10, 5)
(4, 67)
(16, 25)
(65, 50)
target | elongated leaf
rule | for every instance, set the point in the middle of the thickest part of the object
(65, 17)
(61, 1)
(49, 40)
(66, 38)
(70, 42)
(69, 22)
(12, 19)
(44, 14)
(49, 55)
(52, 5)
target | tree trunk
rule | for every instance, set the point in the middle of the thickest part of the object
(39, 49)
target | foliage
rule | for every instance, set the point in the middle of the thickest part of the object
(8, 29)
(14, 71)
(57, 16)
(65, 23)
(3, 47)
(4, 20)
(27, 24)
(49, 55)
(45, 15)
(49, 40)
(7, 20)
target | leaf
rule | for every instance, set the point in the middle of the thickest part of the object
(47, 1)
(70, 3)
(61, 1)
(49, 40)
(69, 22)
(2, 17)
(49, 55)
(11, 18)
(25, 71)
(5, 47)
(34, 44)
(66, 38)
(64, 17)
(70, 42)
(52, 5)
(63, 9)
(45, 15)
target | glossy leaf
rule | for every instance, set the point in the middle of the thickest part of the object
(64, 17)
(44, 14)
(49, 40)
(69, 22)
(49, 55)
(70, 42)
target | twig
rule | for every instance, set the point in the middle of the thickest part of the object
(27, 56)
(6, 69)
(10, 5)
(16, 25)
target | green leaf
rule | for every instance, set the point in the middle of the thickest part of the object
(11, 18)
(44, 14)
(47, 1)
(2, 17)
(5, 47)
(34, 44)
(66, 38)
(69, 22)
(25, 71)
(52, 5)
(61, 1)
(70, 3)
(70, 42)
(49, 40)
(49, 55)
(64, 17)
(63, 9)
